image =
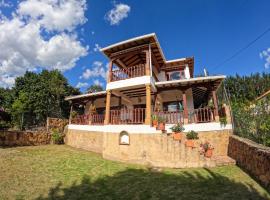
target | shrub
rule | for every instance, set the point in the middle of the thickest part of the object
(57, 137)
(223, 121)
(192, 135)
(177, 128)
(161, 120)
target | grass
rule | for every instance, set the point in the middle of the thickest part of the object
(62, 172)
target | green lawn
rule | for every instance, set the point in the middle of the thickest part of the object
(62, 172)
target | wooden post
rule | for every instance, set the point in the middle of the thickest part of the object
(147, 64)
(185, 107)
(108, 106)
(148, 105)
(110, 71)
(214, 96)
(70, 113)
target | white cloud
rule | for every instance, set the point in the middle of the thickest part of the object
(117, 14)
(97, 48)
(92, 32)
(81, 85)
(24, 47)
(97, 70)
(5, 4)
(98, 82)
(54, 15)
(266, 55)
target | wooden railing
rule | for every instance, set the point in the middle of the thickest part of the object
(201, 115)
(89, 119)
(127, 116)
(171, 117)
(126, 73)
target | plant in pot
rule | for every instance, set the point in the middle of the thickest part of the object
(191, 137)
(177, 131)
(154, 120)
(207, 149)
(161, 123)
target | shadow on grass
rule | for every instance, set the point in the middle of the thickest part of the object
(143, 184)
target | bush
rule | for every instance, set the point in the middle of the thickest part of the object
(192, 135)
(177, 128)
(57, 137)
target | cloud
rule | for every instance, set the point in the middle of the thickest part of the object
(266, 56)
(117, 14)
(97, 70)
(5, 4)
(97, 48)
(54, 15)
(98, 82)
(81, 85)
(25, 47)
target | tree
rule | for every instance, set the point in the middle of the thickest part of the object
(38, 96)
(94, 88)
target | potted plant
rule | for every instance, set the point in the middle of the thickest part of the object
(177, 129)
(223, 121)
(207, 149)
(191, 136)
(161, 123)
(154, 120)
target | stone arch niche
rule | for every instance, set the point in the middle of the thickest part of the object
(124, 138)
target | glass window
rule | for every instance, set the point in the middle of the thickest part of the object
(177, 75)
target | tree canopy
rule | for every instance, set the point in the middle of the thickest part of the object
(94, 88)
(35, 97)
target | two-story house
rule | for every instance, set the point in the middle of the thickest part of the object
(141, 83)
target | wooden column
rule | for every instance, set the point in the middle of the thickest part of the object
(110, 71)
(147, 64)
(214, 96)
(185, 107)
(148, 105)
(70, 113)
(108, 106)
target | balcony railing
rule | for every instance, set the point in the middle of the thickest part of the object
(126, 73)
(94, 119)
(127, 116)
(171, 117)
(201, 115)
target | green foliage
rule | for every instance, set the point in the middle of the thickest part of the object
(94, 88)
(57, 137)
(177, 128)
(252, 122)
(192, 135)
(154, 117)
(35, 97)
(223, 121)
(161, 119)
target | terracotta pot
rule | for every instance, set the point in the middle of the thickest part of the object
(208, 153)
(154, 123)
(177, 136)
(161, 126)
(190, 143)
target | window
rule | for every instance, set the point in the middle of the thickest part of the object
(176, 75)
(173, 106)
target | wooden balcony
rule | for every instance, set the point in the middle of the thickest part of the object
(201, 115)
(127, 73)
(171, 117)
(127, 116)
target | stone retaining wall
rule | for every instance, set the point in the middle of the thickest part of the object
(154, 149)
(252, 157)
(24, 138)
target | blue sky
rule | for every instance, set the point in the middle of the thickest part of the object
(211, 31)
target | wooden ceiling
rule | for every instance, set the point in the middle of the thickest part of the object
(131, 53)
(179, 64)
(138, 92)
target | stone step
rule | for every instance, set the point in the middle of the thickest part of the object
(223, 160)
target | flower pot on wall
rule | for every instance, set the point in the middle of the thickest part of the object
(190, 143)
(208, 153)
(161, 126)
(177, 136)
(154, 123)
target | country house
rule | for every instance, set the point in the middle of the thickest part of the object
(142, 88)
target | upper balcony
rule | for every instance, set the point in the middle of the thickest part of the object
(127, 73)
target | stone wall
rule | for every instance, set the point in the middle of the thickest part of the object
(24, 138)
(91, 141)
(154, 149)
(56, 123)
(252, 157)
